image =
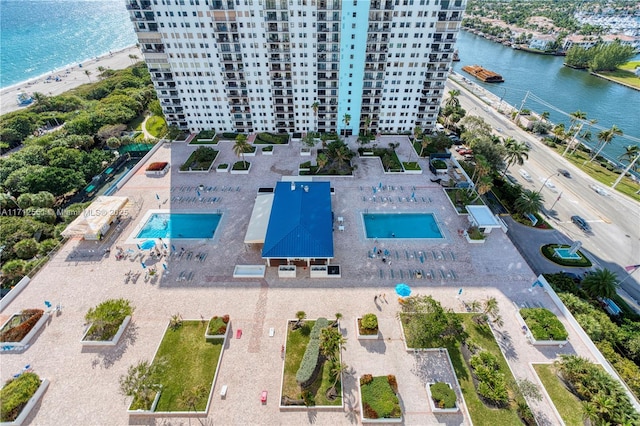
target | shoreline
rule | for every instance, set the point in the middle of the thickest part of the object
(65, 78)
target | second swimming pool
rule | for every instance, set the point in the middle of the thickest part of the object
(180, 225)
(401, 225)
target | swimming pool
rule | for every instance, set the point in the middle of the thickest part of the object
(180, 225)
(401, 225)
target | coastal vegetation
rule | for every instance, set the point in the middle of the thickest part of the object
(16, 393)
(65, 141)
(600, 57)
(105, 319)
(617, 337)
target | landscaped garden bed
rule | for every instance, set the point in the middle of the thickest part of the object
(379, 399)
(567, 404)
(200, 160)
(20, 328)
(544, 327)
(442, 398)
(438, 166)
(412, 167)
(462, 197)
(241, 168)
(272, 138)
(183, 371)
(106, 322)
(217, 328)
(390, 161)
(222, 168)
(426, 324)
(313, 369)
(267, 150)
(367, 327)
(159, 168)
(18, 397)
(205, 137)
(549, 251)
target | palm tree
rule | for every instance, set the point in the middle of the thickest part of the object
(133, 58)
(300, 315)
(346, 119)
(331, 342)
(545, 115)
(601, 283)
(517, 152)
(630, 155)
(367, 124)
(576, 116)
(315, 106)
(529, 202)
(191, 397)
(241, 146)
(88, 74)
(630, 150)
(452, 101)
(586, 135)
(558, 132)
(338, 318)
(605, 137)
(322, 160)
(423, 144)
(417, 132)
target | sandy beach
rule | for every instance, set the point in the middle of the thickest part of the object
(66, 78)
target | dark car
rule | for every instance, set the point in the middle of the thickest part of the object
(582, 224)
(564, 173)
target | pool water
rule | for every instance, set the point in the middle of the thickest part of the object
(401, 225)
(565, 253)
(180, 225)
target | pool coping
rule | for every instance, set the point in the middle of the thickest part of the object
(132, 239)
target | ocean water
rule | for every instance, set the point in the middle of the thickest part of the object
(38, 36)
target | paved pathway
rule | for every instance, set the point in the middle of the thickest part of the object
(84, 383)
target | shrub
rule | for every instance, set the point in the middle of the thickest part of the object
(391, 379)
(225, 319)
(492, 384)
(157, 166)
(271, 138)
(27, 320)
(15, 395)
(366, 379)
(369, 412)
(369, 324)
(229, 135)
(439, 164)
(106, 318)
(241, 165)
(309, 363)
(544, 325)
(218, 325)
(443, 396)
(200, 159)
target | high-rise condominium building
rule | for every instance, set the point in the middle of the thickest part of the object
(298, 65)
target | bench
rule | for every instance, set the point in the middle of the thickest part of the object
(223, 391)
(272, 331)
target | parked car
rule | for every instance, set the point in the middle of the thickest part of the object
(582, 224)
(564, 173)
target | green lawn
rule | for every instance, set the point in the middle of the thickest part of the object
(296, 345)
(411, 165)
(623, 75)
(156, 126)
(480, 413)
(191, 362)
(567, 404)
(601, 174)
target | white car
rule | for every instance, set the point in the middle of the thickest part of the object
(526, 175)
(551, 186)
(599, 190)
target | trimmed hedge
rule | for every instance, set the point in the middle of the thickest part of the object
(309, 362)
(28, 318)
(544, 325)
(443, 396)
(369, 324)
(549, 252)
(492, 384)
(271, 138)
(15, 395)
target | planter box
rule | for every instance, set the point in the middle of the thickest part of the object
(217, 336)
(223, 169)
(26, 410)
(198, 171)
(113, 341)
(251, 154)
(241, 172)
(24, 343)
(158, 173)
(366, 420)
(151, 410)
(249, 271)
(267, 152)
(532, 340)
(286, 271)
(318, 271)
(366, 336)
(470, 241)
(305, 152)
(433, 405)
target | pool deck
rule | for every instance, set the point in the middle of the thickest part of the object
(84, 382)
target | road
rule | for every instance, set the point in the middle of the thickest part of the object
(614, 239)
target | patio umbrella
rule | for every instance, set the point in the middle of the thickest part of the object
(403, 290)
(147, 245)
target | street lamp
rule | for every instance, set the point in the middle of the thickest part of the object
(547, 180)
(501, 97)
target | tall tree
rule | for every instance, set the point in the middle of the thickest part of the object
(315, 106)
(241, 146)
(529, 202)
(630, 154)
(346, 119)
(516, 153)
(605, 137)
(576, 117)
(600, 283)
(452, 101)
